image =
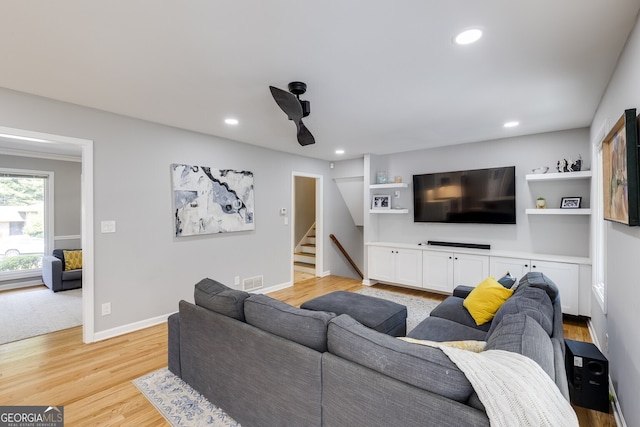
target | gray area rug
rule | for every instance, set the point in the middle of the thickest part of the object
(36, 312)
(181, 405)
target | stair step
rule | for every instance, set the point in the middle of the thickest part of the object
(306, 254)
(304, 267)
(304, 258)
(308, 249)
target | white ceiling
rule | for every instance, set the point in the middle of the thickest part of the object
(383, 76)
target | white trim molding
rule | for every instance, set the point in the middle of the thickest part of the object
(70, 237)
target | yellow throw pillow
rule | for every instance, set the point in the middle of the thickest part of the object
(483, 302)
(72, 260)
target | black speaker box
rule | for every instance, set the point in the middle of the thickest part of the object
(588, 375)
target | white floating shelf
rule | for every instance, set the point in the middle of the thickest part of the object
(389, 211)
(558, 176)
(390, 185)
(558, 211)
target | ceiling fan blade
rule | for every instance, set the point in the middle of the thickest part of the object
(304, 136)
(288, 102)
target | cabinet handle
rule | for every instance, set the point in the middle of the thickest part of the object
(450, 257)
(526, 265)
(456, 258)
(533, 266)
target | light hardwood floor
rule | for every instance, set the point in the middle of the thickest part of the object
(93, 381)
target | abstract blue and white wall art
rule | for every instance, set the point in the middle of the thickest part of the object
(208, 200)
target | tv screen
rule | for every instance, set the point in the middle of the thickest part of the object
(484, 196)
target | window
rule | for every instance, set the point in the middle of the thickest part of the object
(24, 219)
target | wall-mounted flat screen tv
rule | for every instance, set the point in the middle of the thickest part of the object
(481, 196)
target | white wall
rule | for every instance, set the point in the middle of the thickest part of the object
(622, 251)
(143, 269)
(557, 235)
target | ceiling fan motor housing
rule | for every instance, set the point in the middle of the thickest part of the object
(297, 88)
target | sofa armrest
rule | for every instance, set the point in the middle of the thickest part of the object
(462, 291)
(52, 272)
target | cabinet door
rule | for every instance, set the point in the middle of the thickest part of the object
(381, 263)
(518, 267)
(437, 271)
(469, 269)
(567, 278)
(408, 267)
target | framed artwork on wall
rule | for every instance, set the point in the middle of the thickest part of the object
(208, 200)
(620, 171)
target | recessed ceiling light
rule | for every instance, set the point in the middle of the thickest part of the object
(511, 124)
(468, 36)
(231, 121)
(339, 151)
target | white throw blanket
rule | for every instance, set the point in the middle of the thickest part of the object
(514, 389)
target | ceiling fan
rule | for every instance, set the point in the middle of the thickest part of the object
(295, 108)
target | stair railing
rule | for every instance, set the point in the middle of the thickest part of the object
(346, 255)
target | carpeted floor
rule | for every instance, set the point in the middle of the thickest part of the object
(32, 312)
(183, 406)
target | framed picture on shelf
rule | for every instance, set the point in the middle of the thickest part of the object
(570, 202)
(380, 201)
(620, 171)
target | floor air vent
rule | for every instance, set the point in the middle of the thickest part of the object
(252, 283)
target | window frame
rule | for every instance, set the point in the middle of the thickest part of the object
(48, 218)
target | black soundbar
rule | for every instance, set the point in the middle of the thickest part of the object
(460, 245)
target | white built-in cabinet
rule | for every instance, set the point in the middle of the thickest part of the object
(443, 271)
(565, 275)
(396, 265)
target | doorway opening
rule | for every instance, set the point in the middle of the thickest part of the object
(306, 213)
(30, 141)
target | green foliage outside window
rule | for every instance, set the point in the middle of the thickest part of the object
(22, 262)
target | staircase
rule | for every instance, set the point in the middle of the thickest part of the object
(304, 257)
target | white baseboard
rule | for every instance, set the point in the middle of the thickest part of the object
(273, 288)
(25, 284)
(131, 327)
(617, 412)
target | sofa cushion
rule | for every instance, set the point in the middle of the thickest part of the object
(440, 329)
(486, 299)
(425, 367)
(537, 279)
(217, 297)
(507, 280)
(71, 275)
(306, 327)
(452, 308)
(521, 334)
(531, 301)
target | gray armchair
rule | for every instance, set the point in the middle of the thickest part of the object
(56, 277)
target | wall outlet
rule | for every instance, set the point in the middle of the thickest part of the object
(106, 309)
(236, 280)
(606, 343)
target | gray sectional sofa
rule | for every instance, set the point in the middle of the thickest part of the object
(267, 363)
